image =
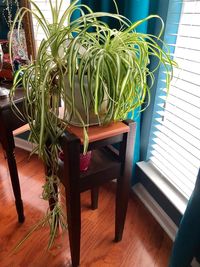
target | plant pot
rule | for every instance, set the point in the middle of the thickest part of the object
(84, 160)
(89, 118)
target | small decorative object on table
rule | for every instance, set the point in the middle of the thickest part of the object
(84, 160)
(3, 91)
(19, 47)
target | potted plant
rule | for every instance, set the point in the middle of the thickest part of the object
(99, 75)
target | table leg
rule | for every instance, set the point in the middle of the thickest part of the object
(9, 123)
(48, 171)
(74, 224)
(122, 196)
(15, 183)
(124, 182)
(71, 148)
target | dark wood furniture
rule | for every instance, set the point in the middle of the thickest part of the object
(105, 165)
(8, 123)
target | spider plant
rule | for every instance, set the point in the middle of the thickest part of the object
(107, 67)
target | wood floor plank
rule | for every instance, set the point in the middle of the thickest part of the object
(144, 243)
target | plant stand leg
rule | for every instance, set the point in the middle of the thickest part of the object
(124, 181)
(48, 172)
(74, 224)
(123, 189)
(52, 200)
(71, 148)
(94, 198)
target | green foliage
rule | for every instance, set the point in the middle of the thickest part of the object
(115, 64)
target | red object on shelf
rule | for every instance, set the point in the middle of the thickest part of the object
(84, 160)
(6, 72)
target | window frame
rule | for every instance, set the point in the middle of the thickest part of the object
(143, 169)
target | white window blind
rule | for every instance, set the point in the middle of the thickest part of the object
(175, 134)
(46, 10)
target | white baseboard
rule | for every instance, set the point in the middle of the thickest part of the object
(158, 213)
(23, 144)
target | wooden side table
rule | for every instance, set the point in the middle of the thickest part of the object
(8, 123)
(105, 165)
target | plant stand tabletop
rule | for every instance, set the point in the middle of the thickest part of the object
(97, 133)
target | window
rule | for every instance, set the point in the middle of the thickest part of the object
(46, 10)
(175, 131)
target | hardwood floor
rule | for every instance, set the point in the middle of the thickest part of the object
(144, 243)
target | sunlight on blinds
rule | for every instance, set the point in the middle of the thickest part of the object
(176, 139)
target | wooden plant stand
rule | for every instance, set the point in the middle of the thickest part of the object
(105, 165)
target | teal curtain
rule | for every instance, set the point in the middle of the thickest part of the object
(187, 242)
(133, 10)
